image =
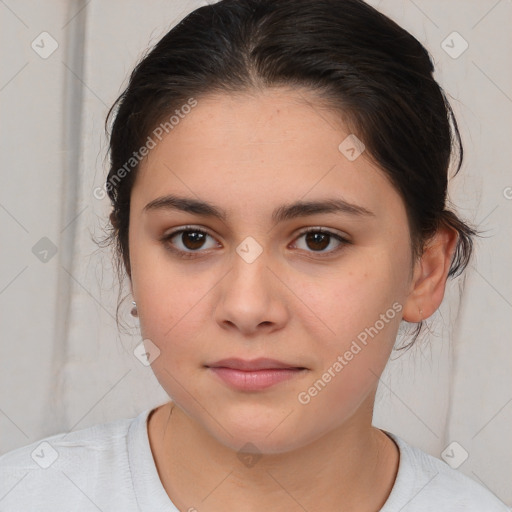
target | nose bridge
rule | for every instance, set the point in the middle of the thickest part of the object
(250, 272)
(249, 297)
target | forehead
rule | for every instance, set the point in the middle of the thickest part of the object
(261, 150)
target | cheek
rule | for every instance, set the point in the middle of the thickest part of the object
(173, 308)
(358, 313)
(363, 321)
(354, 299)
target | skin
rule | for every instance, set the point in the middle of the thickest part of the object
(249, 154)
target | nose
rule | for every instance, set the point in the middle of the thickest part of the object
(253, 299)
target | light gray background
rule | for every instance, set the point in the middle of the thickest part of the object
(63, 365)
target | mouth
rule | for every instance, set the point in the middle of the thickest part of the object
(254, 375)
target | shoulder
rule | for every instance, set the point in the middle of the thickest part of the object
(76, 467)
(426, 483)
(47, 451)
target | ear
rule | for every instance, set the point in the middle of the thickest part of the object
(429, 277)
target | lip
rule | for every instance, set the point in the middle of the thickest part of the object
(254, 375)
(262, 363)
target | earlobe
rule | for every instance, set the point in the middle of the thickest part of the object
(430, 275)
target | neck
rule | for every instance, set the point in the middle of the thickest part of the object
(355, 464)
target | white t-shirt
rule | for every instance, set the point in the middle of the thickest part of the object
(110, 467)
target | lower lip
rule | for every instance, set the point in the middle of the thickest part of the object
(256, 380)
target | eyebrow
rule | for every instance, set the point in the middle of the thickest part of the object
(280, 214)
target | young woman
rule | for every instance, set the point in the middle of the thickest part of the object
(279, 180)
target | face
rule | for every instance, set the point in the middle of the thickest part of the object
(325, 304)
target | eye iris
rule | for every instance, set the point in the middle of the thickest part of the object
(317, 238)
(195, 237)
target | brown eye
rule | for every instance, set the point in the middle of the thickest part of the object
(187, 241)
(317, 240)
(193, 239)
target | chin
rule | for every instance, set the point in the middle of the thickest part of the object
(260, 430)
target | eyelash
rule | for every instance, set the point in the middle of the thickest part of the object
(193, 254)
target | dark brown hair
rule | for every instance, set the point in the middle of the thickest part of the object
(357, 61)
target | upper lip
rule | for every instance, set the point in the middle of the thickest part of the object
(262, 363)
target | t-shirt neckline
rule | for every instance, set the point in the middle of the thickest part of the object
(150, 492)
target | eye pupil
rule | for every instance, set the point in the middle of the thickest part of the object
(317, 238)
(196, 237)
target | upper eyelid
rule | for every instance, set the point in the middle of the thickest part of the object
(187, 228)
(301, 231)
